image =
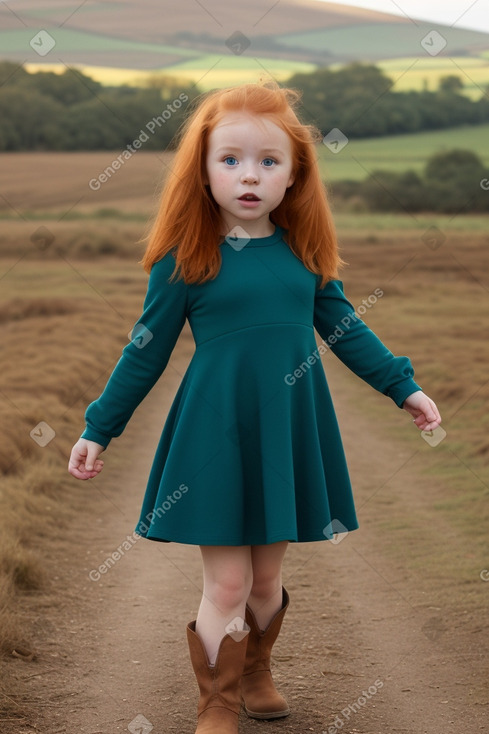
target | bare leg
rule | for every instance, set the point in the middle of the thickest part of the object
(227, 572)
(265, 598)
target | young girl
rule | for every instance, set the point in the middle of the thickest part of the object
(250, 457)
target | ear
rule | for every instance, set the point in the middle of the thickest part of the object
(290, 181)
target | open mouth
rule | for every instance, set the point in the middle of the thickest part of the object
(249, 197)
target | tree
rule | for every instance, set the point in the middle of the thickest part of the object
(453, 181)
(451, 84)
(11, 74)
(25, 117)
(68, 88)
(343, 98)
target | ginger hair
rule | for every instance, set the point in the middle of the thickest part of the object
(188, 218)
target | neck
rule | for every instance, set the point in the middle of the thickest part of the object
(263, 231)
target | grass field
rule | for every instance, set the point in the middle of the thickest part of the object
(209, 72)
(420, 73)
(400, 152)
(67, 39)
(56, 186)
(371, 39)
(220, 69)
(406, 73)
(61, 332)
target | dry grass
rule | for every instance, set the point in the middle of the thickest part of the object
(63, 326)
(434, 309)
(87, 240)
(59, 182)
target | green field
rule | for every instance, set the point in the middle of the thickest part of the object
(399, 152)
(371, 224)
(224, 70)
(425, 73)
(212, 70)
(367, 40)
(72, 40)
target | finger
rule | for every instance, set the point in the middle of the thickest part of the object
(432, 426)
(97, 468)
(75, 457)
(92, 453)
(430, 416)
(79, 469)
(433, 413)
(437, 413)
(79, 473)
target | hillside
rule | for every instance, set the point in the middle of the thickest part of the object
(218, 43)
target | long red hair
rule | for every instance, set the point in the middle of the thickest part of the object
(188, 218)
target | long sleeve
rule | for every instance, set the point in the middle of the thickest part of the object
(351, 340)
(144, 358)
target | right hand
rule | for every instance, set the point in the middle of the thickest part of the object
(84, 463)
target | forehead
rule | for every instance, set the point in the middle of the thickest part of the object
(254, 130)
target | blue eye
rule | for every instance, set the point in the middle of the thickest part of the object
(268, 162)
(230, 158)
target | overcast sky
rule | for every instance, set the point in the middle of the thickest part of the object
(460, 13)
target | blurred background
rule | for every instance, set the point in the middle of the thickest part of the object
(91, 95)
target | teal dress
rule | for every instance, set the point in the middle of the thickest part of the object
(250, 452)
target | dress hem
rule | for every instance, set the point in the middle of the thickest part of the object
(275, 539)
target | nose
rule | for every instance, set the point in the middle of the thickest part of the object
(249, 175)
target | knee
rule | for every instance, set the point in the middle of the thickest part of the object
(230, 589)
(266, 583)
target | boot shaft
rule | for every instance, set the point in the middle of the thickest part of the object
(219, 685)
(260, 642)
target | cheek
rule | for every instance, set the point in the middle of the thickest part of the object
(219, 178)
(281, 180)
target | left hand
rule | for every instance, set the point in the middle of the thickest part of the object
(84, 462)
(424, 411)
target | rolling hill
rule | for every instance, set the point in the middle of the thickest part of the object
(216, 42)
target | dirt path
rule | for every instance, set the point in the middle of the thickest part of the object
(366, 646)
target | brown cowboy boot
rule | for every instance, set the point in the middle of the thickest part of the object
(220, 700)
(260, 697)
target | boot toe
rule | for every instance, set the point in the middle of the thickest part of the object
(261, 699)
(277, 714)
(217, 720)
